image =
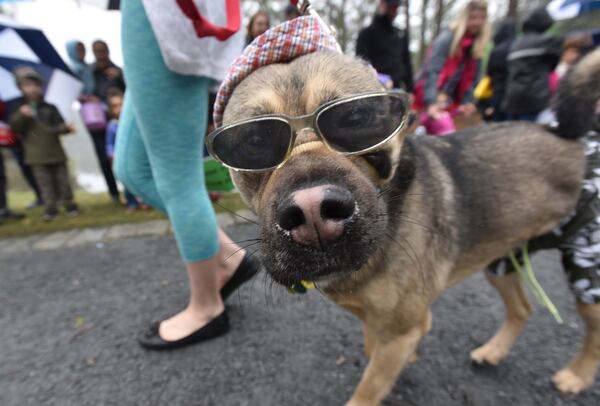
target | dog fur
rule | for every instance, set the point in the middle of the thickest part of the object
(433, 210)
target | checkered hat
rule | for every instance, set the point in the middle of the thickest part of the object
(280, 44)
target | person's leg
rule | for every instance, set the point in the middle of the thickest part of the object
(19, 155)
(2, 184)
(130, 199)
(170, 110)
(99, 141)
(45, 182)
(132, 165)
(63, 185)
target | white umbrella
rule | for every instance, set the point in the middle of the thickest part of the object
(21, 45)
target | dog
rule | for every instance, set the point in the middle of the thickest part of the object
(384, 232)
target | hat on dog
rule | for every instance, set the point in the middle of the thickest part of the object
(280, 44)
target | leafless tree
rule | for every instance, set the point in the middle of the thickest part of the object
(423, 30)
(513, 8)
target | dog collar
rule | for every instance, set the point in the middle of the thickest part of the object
(280, 44)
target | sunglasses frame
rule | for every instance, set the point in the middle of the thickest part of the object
(310, 121)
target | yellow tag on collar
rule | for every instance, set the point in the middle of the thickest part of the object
(301, 287)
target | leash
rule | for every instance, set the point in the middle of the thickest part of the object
(531, 281)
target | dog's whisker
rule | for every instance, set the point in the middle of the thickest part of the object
(235, 214)
(244, 241)
(240, 249)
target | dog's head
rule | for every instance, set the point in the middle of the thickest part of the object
(321, 212)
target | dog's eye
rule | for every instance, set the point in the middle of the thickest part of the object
(257, 141)
(381, 162)
(358, 116)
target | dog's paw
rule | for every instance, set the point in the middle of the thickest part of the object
(568, 382)
(489, 354)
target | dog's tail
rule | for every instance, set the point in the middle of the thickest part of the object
(576, 99)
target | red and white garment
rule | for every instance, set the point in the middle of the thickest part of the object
(177, 33)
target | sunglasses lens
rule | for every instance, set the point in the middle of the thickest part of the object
(360, 124)
(254, 145)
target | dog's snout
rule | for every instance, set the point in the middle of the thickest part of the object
(317, 215)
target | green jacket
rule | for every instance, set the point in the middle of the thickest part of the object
(40, 134)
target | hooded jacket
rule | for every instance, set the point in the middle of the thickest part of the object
(386, 48)
(80, 68)
(497, 67)
(531, 58)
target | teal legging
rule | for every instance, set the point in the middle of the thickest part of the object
(160, 138)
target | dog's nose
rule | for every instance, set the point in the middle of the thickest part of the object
(316, 216)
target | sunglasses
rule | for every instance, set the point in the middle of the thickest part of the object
(351, 125)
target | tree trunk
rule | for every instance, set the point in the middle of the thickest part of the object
(513, 8)
(439, 17)
(407, 16)
(422, 44)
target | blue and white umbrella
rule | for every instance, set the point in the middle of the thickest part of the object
(21, 45)
(105, 4)
(565, 9)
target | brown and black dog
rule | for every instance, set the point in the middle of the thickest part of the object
(429, 211)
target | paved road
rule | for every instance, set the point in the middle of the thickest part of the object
(69, 318)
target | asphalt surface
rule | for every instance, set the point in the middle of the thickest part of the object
(70, 317)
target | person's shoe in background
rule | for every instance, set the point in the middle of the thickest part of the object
(35, 204)
(7, 214)
(72, 210)
(50, 215)
(133, 207)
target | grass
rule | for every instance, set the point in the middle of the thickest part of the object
(97, 210)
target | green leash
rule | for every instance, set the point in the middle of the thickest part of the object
(528, 276)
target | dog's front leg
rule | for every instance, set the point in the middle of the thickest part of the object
(388, 357)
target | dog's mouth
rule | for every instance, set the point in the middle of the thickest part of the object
(316, 231)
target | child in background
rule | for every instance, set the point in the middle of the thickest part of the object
(115, 103)
(39, 124)
(441, 123)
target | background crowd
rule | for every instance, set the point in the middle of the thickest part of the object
(465, 73)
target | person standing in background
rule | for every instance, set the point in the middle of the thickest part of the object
(40, 126)
(115, 105)
(106, 76)
(385, 47)
(76, 53)
(5, 212)
(259, 23)
(453, 65)
(572, 48)
(497, 68)
(531, 59)
(18, 152)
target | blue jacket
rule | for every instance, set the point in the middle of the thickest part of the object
(80, 68)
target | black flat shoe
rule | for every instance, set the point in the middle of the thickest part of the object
(244, 272)
(151, 340)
